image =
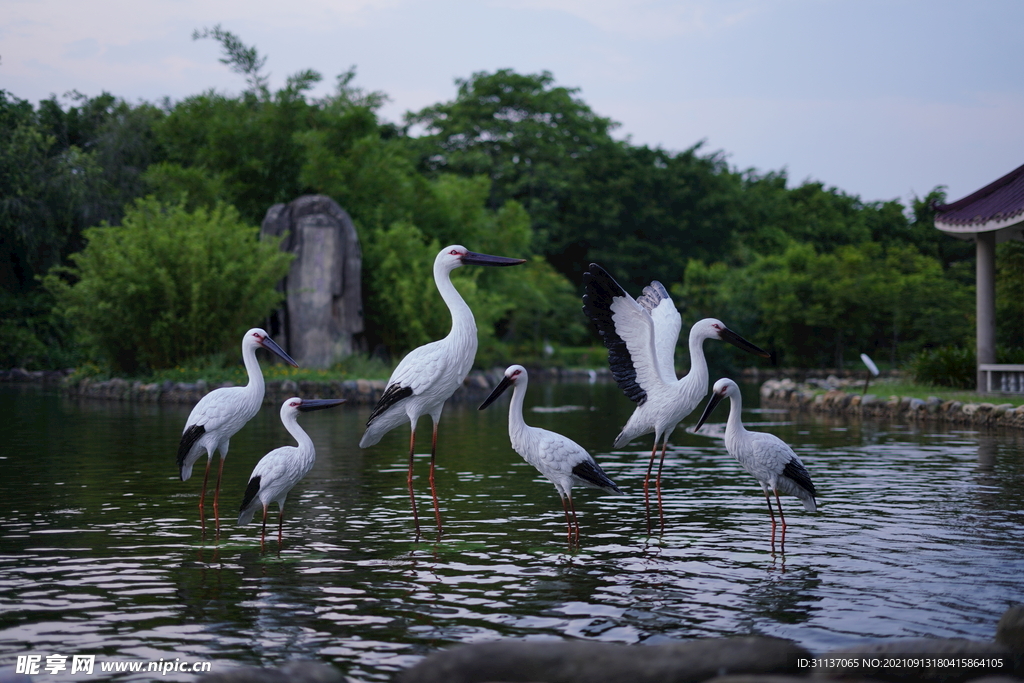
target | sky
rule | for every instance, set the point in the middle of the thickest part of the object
(884, 99)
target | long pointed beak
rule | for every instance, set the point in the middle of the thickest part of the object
(320, 404)
(474, 259)
(738, 341)
(271, 345)
(504, 384)
(712, 402)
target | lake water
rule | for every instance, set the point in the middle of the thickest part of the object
(101, 552)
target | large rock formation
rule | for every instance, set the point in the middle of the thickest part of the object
(323, 308)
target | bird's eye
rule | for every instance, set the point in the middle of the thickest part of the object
(454, 252)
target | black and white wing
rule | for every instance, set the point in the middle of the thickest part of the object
(628, 332)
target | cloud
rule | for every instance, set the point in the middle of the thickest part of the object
(650, 19)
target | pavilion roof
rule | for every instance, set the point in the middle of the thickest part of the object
(998, 205)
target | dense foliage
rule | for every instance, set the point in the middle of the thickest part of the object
(514, 165)
(168, 284)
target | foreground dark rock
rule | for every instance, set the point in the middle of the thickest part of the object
(572, 661)
(752, 659)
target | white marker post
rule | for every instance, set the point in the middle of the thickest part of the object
(872, 370)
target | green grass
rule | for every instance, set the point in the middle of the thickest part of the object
(884, 389)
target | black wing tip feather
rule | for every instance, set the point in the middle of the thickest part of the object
(800, 476)
(188, 440)
(250, 493)
(392, 395)
(591, 472)
(601, 288)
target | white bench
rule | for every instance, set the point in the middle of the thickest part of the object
(1005, 378)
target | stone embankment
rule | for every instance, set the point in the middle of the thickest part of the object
(837, 400)
(358, 391)
(750, 659)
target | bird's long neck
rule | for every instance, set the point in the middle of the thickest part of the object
(518, 430)
(734, 425)
(463, 332)
(255, 387)
(306, 451)
(697, 377)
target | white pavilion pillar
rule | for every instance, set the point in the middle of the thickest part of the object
(985, 279)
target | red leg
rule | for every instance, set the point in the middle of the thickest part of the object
(772, 514)
(433, 489)
(661, 464)
(412, 494)
(647, 479)
(568, 522)
(202, 494)
(575, 520)
(216, 493)
(782, 540)
(263, 536)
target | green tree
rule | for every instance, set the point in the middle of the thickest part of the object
(821, 309)
(168, 284)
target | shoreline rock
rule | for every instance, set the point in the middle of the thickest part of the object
(356, 391)
(787, 394)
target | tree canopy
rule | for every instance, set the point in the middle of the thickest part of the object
(514, 164)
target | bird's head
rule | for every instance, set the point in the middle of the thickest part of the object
(514, 374)
(295, 405)
(723, 387)
(258, 338)
(456, 255)
(712, 328)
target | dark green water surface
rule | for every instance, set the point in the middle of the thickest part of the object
(920, 533)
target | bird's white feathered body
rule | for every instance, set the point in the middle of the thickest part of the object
(430, 374)
(766, 457)
(560, 459)
(670, 400)
(281, 469)
(221, 413)
(641, 336)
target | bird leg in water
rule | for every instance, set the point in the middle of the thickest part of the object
(280, 525)
(202, 494)
(782, 541)
(216, 493)
(575, 520)
(433, 489)
(657, 484)
(412, 494)
(568, 522)
(650, 466)
(771, 513)
(647, 479)
(263, 536)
